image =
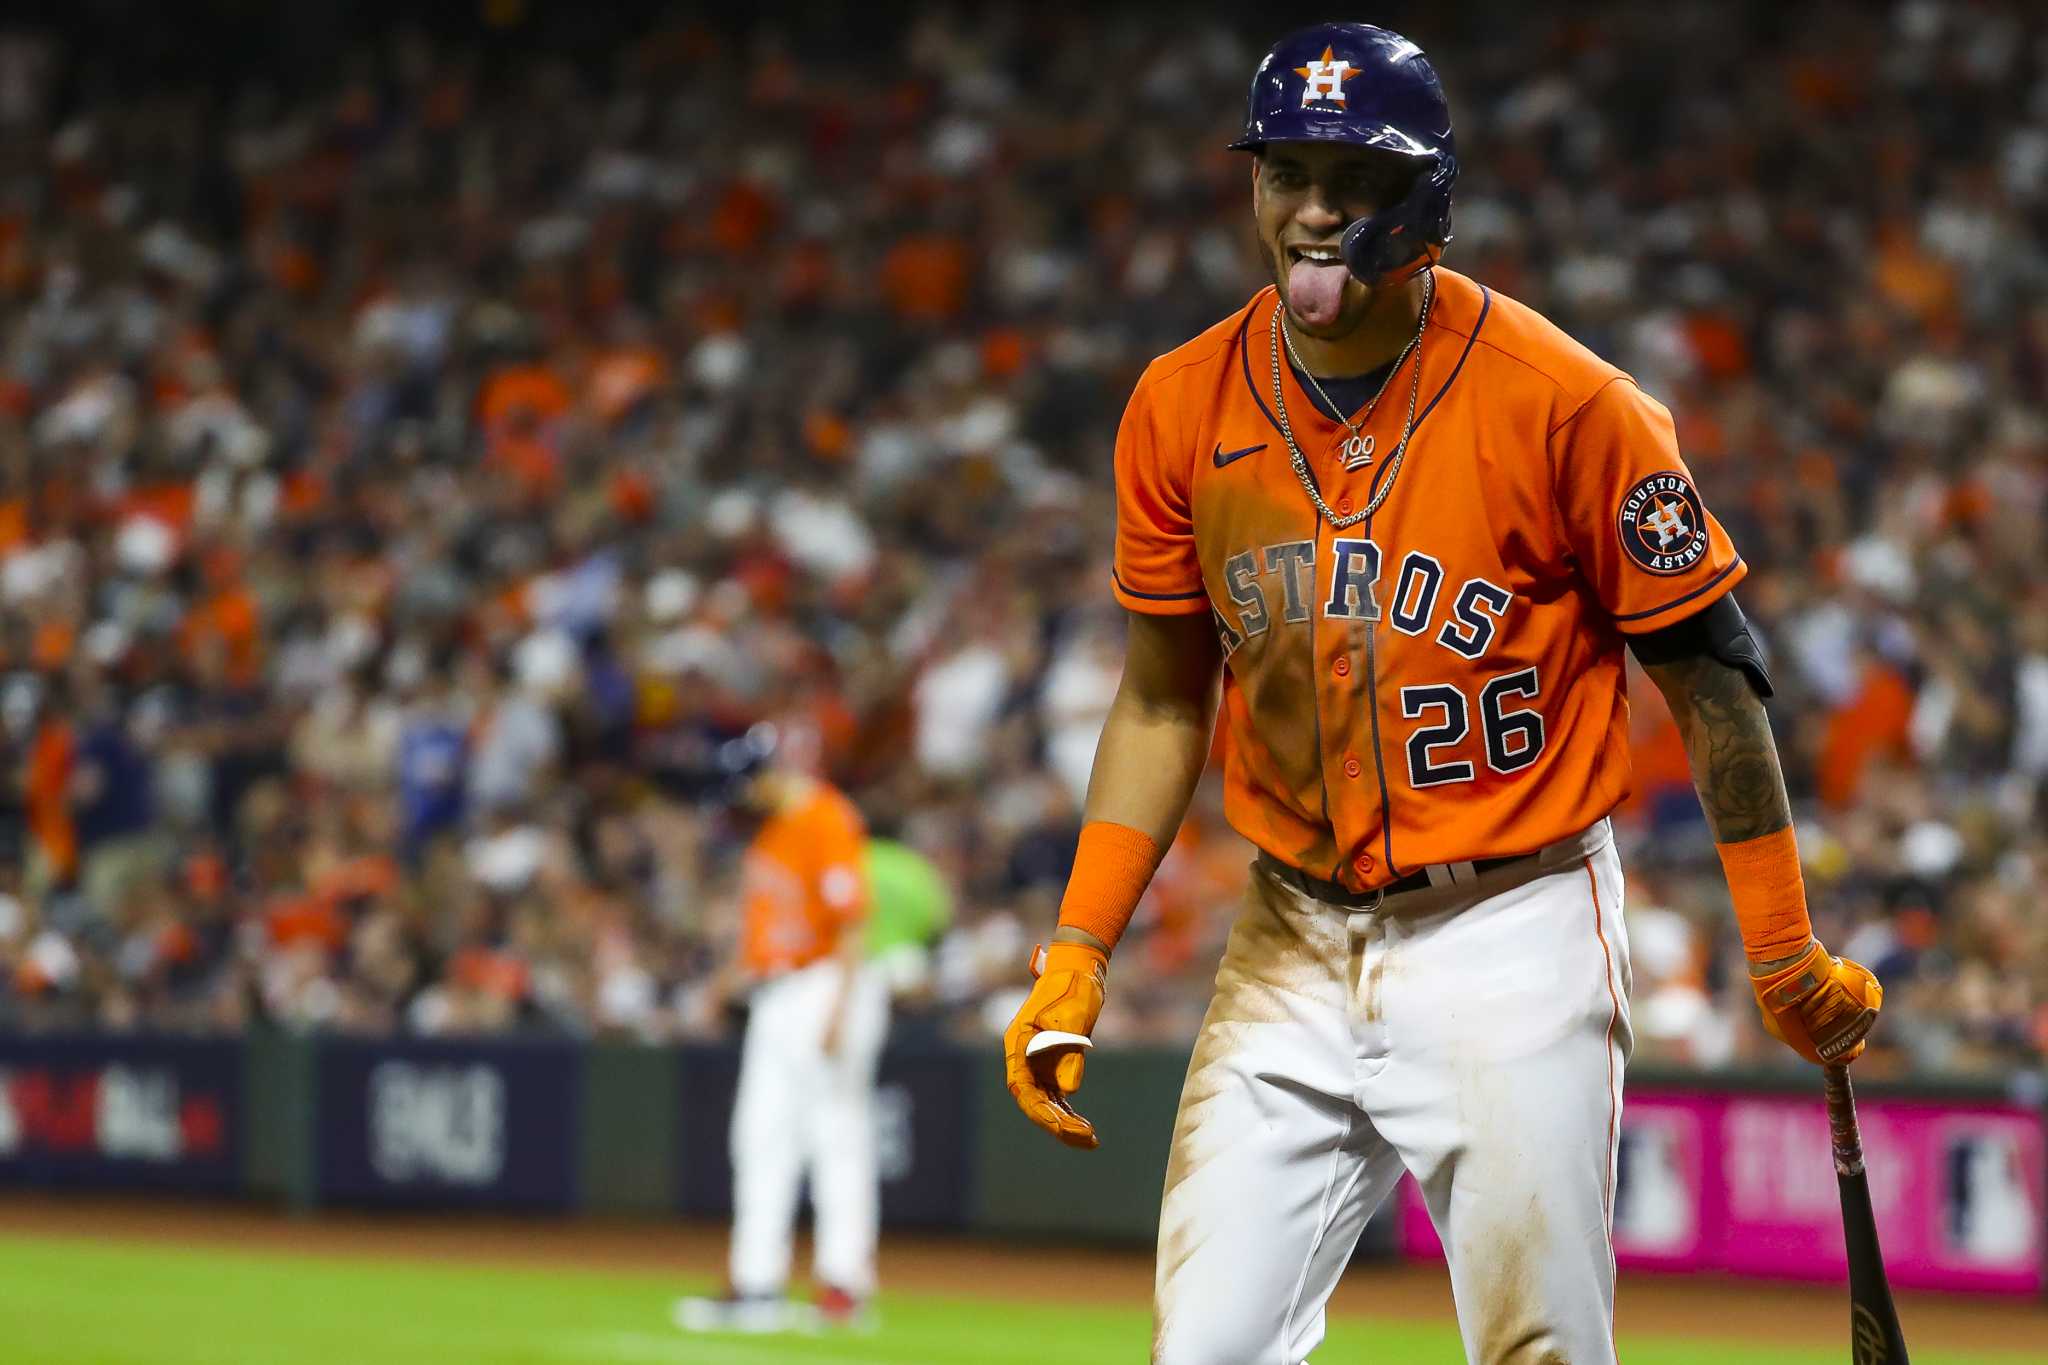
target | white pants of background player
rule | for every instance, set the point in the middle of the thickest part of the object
(1473, 1034)
(800, 1111)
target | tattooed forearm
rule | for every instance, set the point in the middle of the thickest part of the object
(1728, 738)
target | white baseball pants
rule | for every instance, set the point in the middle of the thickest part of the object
(800, 1110)
(1471, 1034)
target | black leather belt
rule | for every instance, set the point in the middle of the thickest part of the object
(1336, 893)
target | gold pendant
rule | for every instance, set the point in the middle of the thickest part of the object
(1357, 452)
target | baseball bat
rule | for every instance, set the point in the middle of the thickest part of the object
(1874, 1335)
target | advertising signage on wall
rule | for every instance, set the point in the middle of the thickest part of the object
(1746, 1184)
(151, 1113)
(448, 1124)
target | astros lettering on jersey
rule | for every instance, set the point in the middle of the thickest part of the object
(1542, 512)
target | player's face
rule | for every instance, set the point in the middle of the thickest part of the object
(1304, 195)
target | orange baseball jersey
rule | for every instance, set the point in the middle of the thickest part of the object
(801, 883)
(1443, 680)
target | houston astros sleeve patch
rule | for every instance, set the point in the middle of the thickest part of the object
(1637, 527)
(1663, 527)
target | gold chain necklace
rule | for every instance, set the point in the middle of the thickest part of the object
(1358, 448)
(1300, 461)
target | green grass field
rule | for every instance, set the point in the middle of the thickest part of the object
(75, 1302)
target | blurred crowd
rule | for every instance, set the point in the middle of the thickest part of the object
(410, 465)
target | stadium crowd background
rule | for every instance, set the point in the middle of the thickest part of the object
(414, 455)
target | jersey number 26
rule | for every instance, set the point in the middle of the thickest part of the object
(1514, 738)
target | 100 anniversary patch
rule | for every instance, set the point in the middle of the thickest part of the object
(1662, 525)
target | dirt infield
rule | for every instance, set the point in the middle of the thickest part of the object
(1028, 1272)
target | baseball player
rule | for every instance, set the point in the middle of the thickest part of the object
(815, 1029)
(1408, 526)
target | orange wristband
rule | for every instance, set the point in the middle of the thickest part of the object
(1112, 867)
(1769, 894)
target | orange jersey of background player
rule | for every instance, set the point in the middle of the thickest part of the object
(1442, 681)
(802, 887)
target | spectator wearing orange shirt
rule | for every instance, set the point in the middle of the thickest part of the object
(47, 796)
(814, 1036)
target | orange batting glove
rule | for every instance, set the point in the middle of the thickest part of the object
(1821, 1006)
(1046, 1045)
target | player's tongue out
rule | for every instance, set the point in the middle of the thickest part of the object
(1315, 290)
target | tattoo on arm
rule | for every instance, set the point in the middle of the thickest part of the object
(1728, 738)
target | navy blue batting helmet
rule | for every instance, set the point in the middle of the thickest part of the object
(1367, 86)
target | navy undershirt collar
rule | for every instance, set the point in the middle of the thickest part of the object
(1350, 394)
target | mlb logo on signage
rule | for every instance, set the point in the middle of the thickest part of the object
(1657, 1189)
(1991, 1205)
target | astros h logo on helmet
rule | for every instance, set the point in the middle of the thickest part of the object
(1325, 78)
(1662, 525)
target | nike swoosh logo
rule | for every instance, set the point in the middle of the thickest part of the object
(1224, 457)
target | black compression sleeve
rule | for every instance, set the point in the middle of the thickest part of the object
(1720, 632)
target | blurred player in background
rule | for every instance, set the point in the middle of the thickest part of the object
(910, 906)
(817, 1017)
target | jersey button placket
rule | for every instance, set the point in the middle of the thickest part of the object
(1352, 767)
(1342, 668)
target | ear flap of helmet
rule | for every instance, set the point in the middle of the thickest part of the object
(1395, 243)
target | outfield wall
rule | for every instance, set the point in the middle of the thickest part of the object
(1723, 1173)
